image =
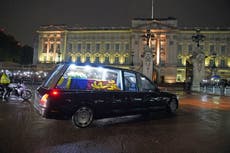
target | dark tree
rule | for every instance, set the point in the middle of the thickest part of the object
(12, 51)
(26, 55)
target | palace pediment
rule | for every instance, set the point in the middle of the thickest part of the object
(161, 24)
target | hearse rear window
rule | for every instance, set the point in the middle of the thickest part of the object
(51, 77)
(90, 78)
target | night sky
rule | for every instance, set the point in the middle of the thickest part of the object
(21, 18)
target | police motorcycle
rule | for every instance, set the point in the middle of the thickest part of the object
(18, 90)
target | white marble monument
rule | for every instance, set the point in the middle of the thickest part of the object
(198, 69)
(148, 62)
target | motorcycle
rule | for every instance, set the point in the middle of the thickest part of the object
(1, 91)
(18, 90)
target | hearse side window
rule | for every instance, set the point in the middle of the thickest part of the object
(51, 77)
(130, 81)
(146, 85)
(90, 78)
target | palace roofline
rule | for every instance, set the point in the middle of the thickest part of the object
(76, 28)
(205, 28)
(158, 19)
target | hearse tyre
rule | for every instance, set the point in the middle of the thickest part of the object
(172, 106)
(82, 117)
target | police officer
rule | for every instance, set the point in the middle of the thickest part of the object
(4, 81)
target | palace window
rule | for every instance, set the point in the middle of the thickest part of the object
(97, 60)
(78, 59)
(211, 63)
(70, 47)
(179, 62)
(117, 60)
(58, 48)
(179, 49)
(222, 50)
(51, 48)
(117, 47)
(87, 59)
(126, 47)
(211, 49)
(45, 48)
(88, 47)
(222, 63)
(98, 47)
(106, 60)
(126, 60)
(190, 49)
(79, 47)
(107, 47)
(70, 59)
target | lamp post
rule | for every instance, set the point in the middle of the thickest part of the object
(148, 37)
(198, 37)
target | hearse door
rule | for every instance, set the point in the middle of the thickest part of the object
(149, 92)
(135, 98)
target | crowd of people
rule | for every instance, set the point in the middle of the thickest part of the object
(215, 83)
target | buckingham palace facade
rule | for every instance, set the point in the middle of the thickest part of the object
(171, 46)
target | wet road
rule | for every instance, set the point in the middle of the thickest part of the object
(202, 125)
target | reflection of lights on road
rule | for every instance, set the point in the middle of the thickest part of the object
(204, 98)
(216, 100)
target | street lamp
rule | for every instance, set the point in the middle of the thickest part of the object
(148, 37)
(198, 37)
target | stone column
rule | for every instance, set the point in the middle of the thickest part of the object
(198, 70)
(148, 62)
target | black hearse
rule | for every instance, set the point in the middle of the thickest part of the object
(87, 92)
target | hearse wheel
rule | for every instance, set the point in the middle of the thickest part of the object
(83, 116)
(172, 107)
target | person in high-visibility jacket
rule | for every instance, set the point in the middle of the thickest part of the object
(4, 81)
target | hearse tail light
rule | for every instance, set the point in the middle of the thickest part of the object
(54, 92)
(44, 100)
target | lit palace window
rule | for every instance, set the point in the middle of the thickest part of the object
(45, 48)
(51, 48)
(58, 48)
